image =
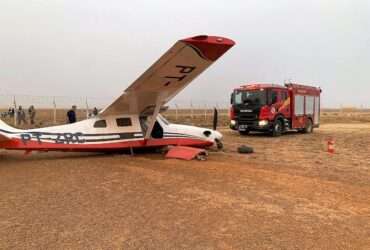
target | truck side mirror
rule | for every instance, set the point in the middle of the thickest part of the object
(274, 99)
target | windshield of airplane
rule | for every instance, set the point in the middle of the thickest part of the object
(164, 120)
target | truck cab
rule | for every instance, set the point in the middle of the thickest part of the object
(272, 108)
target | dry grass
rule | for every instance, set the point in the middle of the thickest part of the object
(290, 194)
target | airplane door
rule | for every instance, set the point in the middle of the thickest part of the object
(157, 132)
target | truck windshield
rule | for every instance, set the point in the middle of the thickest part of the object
(256, 97)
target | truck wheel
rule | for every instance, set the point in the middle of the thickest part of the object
(232, 127)
(309, 127)
(245, 132)
(277, 128)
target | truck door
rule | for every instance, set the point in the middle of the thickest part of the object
(284, 103)
(274, 97)
(274, 102)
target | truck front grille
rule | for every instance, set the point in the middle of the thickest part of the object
(248, 118)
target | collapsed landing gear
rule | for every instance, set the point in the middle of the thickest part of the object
(219, 144)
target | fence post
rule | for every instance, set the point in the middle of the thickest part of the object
(177, 112)
(54, 111)
(15, 111)
(87, 109)
(205, 112)
(191, 112)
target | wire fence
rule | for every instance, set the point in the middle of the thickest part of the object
(52, 109)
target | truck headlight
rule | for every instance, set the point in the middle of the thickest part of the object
(263, 123)
(233, 122)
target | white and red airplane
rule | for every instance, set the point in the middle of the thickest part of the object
(134, 120)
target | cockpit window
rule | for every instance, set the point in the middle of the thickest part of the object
(100, 124)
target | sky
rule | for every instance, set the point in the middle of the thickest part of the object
(98, 48)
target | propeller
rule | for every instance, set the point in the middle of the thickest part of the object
(215, 118)
(215, 124)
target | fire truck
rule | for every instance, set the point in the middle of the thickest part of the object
(275, 109)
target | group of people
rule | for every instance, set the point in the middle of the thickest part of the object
(10, 113)
(22, 115)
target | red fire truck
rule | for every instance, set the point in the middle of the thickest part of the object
(275, 108)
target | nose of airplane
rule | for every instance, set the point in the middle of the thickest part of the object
(217, 139)
(218, 135)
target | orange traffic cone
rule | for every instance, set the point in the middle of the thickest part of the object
(331, 144)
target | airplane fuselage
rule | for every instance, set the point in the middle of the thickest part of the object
(110, 133)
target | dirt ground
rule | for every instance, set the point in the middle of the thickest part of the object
(290, 194)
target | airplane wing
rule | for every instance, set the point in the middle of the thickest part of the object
(181, 64)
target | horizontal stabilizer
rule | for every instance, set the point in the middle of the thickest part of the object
(4, 138)
(5, 130)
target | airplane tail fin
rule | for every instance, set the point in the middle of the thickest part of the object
(3, 138)
(5, 131)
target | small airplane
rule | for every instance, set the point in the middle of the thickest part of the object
(133, 120)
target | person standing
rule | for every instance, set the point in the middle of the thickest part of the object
(11, 112)
(95, 112)
(32, 114)
(71, 114)
(21, 116)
